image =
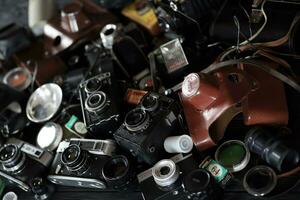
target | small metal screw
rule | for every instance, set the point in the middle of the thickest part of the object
(173, 6)
(151, 149)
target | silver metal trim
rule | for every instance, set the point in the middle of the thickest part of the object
(102, 99)
(17, 167)
(56, 179)
(100, 147)
(170, 177)
(148, 173)
(45, 157)
(21, 184)
(240, 166)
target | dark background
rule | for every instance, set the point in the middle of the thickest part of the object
(16, 11)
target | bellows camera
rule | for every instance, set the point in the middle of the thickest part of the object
(100, 106)
(177, 178)
(22, 162)
(147, 126)
(89, 164)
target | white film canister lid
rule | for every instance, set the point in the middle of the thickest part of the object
(178, 144)
(10, 196)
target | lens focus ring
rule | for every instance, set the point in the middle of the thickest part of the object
(75, 159)
(137, 120)
(165, 173)
(96, 102)
(11, 158)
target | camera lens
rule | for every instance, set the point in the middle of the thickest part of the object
(75, 159)
(93, 85)
(197, 181)
(150, 103)
(11, 158)
(96, 102)
(260, 180)
(271, 149)
(136, 120)
(165, 173)
(116, 170)
(8, 153)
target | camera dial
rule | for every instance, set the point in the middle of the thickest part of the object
(150, 103)
(93, 85)
(96, 102)
(12, 158)
(75, 159)
(165, 173)
(137, 120)
(190, 85)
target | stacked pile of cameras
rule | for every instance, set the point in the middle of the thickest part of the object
(95, 112)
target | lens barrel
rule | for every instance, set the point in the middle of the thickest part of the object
(12, 158)
(165, 173)
(271, 149)
(136, 120)
(116, 171)
(150, 103)
(96, 102)
(93, 85)
(75, 159)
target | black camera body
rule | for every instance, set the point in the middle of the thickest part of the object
(21, 162)
(178, 178)
(89, 164)
(146, 127)
(100, 103)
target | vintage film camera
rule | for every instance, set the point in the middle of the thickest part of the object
(90, 164)
(147, 126)
(178, 178)
(22, 162)
(100, 105)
